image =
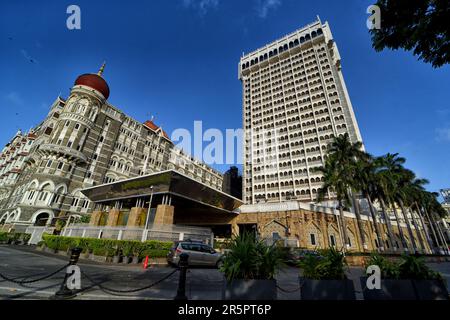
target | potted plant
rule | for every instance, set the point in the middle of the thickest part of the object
(138, 249)
(427, 284)
(85, 245)
(117, 250)
(127, 249)
(392, 287)
(25, 238)
(3, 237)
(323, 277)
(249, 268)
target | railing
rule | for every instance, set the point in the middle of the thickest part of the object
(154, 232)
(37, 232)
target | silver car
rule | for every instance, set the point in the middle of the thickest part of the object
(199, 254)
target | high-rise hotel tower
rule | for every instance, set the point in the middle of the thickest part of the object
(294, 103)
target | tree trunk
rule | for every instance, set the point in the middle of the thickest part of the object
(419, 234)
(400, 231)
(358, 221)
(425, 228)
(438, 243)
(408, 225)
(375, 222)
(440, 233)
(387, 220)
(343, 225)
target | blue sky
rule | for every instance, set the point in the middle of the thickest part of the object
(177, 60)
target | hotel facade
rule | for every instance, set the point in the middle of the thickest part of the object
(294, 103)
(89, 157)
(83, 141)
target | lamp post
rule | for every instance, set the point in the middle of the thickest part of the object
(144, 232)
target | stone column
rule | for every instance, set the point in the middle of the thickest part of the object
(113, 217)
(136, 216)
(164, 214)
(234, 228)
(95, 218)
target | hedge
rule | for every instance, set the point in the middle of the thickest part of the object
(108, 247)
(3, 236)
(14, 237)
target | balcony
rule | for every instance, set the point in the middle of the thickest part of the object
(70, 153)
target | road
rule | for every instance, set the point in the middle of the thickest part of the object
(25, 263)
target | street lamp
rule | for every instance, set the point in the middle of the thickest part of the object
(144, 232)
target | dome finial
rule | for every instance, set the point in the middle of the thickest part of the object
(102, 68)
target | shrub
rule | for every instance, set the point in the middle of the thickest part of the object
(108, 247)
(412, 267)
(250, 258)
(128, 246)
(389, 270)
(3, 237)
(331, 266)
(51, 241)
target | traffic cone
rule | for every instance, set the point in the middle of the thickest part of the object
(146, 262)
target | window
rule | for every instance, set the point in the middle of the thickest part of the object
(349, 242)
(49, 163)
(74, 202)
(313, 239)
(69, 144)
(67, 123)
(332, 240)
(48, 130)
(60, 165)
(85, 204)
(77, 126)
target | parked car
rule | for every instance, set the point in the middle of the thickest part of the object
(199, 254)
(295, 256)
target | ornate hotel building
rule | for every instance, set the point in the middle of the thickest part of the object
(294, 103)
(82, 142)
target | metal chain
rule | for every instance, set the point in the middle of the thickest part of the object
(128, 291)
(292, 291)
(34, 280)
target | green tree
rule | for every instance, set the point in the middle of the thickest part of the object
(418, 25)
(338, 173)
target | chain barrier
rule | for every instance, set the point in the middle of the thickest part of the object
(106, 289)
(291, 291)
(34, 280)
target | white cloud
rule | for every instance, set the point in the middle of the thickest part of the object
(264, 6)
(202, 6)
(443, 134)
(14, 98)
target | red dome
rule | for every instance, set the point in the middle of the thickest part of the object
(94, 81)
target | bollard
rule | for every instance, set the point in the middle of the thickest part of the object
(64, 292)
(183, 264)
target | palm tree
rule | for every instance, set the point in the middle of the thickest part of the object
(378, 192)
(335, 181)
(412, 191)
(405, 179)
(390, 173)
(433, 207)
(338, 173)
(365, 180)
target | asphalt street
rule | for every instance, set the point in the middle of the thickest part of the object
(25, 263)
